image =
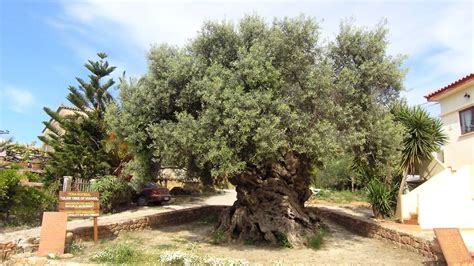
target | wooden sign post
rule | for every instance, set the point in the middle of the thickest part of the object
(81, 204)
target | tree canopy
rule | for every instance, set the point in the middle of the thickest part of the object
(259, 104)
(241, 95)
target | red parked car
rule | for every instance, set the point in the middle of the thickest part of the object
(151, 193)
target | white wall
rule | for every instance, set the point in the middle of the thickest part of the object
(410, 200)
(459, 150)
(445, 200)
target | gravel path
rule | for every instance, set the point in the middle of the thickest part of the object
(226, 197)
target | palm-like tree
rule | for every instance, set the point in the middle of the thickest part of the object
(78, 140)
(93, 95)
(424, 136)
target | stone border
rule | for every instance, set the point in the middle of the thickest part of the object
(157, 220)
(369, 228)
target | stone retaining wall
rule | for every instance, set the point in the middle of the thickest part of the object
(149, 222)
(370, 228)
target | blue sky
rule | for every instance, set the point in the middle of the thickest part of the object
(44, 44)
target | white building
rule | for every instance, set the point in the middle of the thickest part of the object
(457, 114)
(446, 200)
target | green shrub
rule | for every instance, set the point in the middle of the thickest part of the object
(114, 192)
(317, 240)
(32, 177)
(381, 197)
(282, 240)
(24, 204)
(30, 203)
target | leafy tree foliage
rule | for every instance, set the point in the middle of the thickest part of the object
(114, 192)
(78, 140)
(424, 135)
(369, 82)
(259, 104)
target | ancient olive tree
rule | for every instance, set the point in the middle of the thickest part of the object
(257, 104)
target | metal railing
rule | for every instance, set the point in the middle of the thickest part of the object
(80, 184)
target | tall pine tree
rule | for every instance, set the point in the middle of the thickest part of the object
(78, 140)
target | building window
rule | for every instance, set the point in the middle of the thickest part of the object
(467, 120)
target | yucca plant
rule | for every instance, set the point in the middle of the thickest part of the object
(424, 135)
(381, 198)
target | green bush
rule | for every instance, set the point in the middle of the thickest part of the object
(381, 197)
(24, 204)
(114, 192)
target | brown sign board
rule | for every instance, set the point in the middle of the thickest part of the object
(53, 233)
(78, 196)
(79, 203)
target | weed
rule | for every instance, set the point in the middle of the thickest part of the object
(249, 242)
(76, 248)
(282, 240)
(341, 196)
(118, 253)
(218, 237)
(180, 241)
(317, 240)
(211, 219)
(183, 258)
(165, 246)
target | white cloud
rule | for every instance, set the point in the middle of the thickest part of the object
(436, 35)
(19, 100)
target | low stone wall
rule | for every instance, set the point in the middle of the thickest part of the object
(24, 245)
(6, 249)
(149, 222)
(370, 228)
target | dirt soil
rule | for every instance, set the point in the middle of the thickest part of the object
(340, 247)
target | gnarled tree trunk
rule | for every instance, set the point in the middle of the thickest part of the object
(270, 204)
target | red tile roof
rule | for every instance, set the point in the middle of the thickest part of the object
(450, 87)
